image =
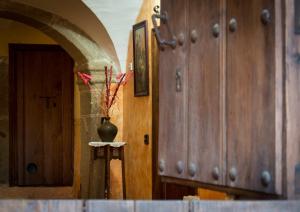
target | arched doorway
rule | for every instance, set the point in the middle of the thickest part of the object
(90, 58)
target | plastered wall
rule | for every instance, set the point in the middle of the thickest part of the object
(15, 32)
(137, 123)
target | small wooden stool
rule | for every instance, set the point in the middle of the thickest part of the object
(108, 151)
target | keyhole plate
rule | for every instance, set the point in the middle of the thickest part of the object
(178, 80)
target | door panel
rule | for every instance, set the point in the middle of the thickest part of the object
(205, 144)
(52, 127)
(42, 78)
(172, 103)
(67, 103)
(251, 96)
(33, 112)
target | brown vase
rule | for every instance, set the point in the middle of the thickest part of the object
(107, 131)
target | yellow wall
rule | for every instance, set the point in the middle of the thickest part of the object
(14, 32)
(137, 123)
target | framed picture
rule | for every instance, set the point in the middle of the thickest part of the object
(140, 59)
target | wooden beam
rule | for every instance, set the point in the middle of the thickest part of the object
(146, 206)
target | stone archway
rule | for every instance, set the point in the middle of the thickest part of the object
(89, 57)
(85, 51)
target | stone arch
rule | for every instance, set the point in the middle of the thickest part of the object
(89, 57)
(84, 50)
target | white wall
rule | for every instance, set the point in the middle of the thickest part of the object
(117, 16)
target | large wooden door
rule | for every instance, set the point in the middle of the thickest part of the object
(225, 126)
(173, 94)
(41, 116)
(251, 97)
(205, 154)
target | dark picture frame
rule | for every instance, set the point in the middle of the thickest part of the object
(140, 59)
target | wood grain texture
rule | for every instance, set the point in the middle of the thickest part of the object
(161, 190)
(236, 91)
(156, 181)
(109, 206)
(279, 97)
(204, 124)
(66, 205)
(292, 101)
(43, 91)
(33, 113)
(67, 111)
(232, 206)
(41, 205)
(160, 206)
(37, 192)
(173, 104)
(147, 206)
(250, 95)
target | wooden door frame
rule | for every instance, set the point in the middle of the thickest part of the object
(13, 155)
(157, 188)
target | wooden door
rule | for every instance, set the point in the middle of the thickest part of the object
(173, 94)
(205, 153)
(41, 116)
(251, 97)
(161, 190)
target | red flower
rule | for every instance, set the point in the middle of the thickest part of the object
(86, 78)
(110, 93)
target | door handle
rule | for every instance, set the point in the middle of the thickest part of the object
(178, 80)
(164, 19)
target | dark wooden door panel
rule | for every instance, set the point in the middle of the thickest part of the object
(42, 151)
(67, 103)
(33, 112)
(172, 103)
(251, 115)
(53, 140)
(204, 116)
(59, 110)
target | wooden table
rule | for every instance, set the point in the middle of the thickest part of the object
(108, 151)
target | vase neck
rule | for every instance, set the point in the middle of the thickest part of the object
(104, 119)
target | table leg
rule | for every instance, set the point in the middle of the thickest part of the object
(123, 172)
(107, 171)
(91, 163)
